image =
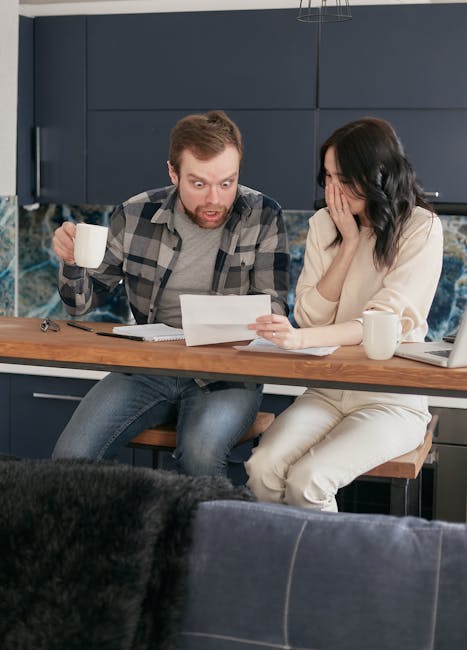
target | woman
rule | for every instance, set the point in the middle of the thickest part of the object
(377, 245)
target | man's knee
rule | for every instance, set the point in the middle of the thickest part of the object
(205, 463)
(201, 455)
(68, 449)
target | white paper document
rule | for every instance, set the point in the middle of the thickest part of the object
(216, 319)
(262, 345)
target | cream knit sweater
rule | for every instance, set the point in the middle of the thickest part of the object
(407, 288)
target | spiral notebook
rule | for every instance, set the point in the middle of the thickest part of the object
(151, 332)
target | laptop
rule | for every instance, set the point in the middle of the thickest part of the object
(439, 353)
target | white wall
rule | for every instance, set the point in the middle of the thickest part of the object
(57, 7)
(8, 94)
(63, 7)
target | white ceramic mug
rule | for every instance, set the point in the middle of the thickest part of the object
(382, 333)
(90, 244)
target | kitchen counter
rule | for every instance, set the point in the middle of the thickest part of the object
(269, 389)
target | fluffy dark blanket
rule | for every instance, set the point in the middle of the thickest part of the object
(93, 555)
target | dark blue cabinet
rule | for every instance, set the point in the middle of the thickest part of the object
(200, 60)
(25, 167)
(127, 153)
(403, 63)
(40, 409)
(432, 140)
(5, 414)
(279, 155)
(128, 150)
(60, 108)
(109, 88)
(396, 56)
(147, 71)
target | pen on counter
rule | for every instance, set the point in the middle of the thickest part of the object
(122, 336)
(78, 326)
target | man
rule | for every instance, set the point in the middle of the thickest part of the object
(205, 234)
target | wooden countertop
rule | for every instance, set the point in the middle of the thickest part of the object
(22, 342)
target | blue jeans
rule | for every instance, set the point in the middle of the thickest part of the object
(209, 422)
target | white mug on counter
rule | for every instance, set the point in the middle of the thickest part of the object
(90, 244)
(382, 333)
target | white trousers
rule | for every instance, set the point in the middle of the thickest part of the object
(327, 438)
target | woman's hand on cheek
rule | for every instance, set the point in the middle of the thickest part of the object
(277, 329)
(339, 210)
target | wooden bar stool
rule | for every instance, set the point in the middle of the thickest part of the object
(165, 438)
(405, 476)
(404, 472)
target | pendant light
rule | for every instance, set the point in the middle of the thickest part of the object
(324, 11)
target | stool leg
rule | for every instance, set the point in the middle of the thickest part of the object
(398, 497)
(155, 458)
(416, 496)
(405, 497)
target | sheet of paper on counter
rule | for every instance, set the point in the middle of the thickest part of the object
(262, 345)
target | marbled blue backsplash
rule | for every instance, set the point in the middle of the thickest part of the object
(451, 295)
(38, 266)
(8, 254)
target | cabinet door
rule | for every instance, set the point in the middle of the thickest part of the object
(190, 60)
(25, 167)
(432, 140)
(40, 409)
(60, 103)
(5, 414)
(279, 157)
(410, 56)
(127, 153)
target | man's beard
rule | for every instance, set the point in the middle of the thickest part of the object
(201, 221)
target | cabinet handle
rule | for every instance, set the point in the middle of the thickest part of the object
(37, 133)
(70, 398)
(433, 195)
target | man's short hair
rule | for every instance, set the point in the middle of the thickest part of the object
(205, 135)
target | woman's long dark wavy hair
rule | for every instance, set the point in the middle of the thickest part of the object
(374, 167)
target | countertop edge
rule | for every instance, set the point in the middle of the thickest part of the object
(269, 389)
(46, 371)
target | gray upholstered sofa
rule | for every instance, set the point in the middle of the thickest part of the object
(106, 557)
(266, 577)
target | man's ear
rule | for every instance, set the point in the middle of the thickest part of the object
(172, 173)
